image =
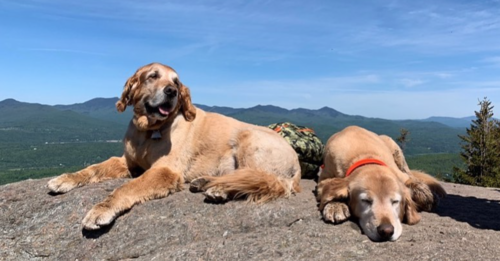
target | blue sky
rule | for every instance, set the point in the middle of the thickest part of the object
(386, 59)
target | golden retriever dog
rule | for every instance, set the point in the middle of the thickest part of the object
(366, 176)
(169, 142)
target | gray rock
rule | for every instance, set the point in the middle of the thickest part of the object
(37, 226)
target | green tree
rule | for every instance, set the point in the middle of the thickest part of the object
(403, 138)
(480, 150)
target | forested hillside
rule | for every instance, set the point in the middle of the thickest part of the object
(40, 140)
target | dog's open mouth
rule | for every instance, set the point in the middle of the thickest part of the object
(163, 109)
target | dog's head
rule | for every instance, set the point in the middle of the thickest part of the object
(376, 198)
(157, 95)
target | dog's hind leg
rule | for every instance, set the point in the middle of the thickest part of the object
(397, 153)
(153, 184)
(113, 168)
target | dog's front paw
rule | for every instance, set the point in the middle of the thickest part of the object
(100, 215)
(336, 212)
(62, 184)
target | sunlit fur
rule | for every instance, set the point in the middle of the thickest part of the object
(220, 156)
(147, 86)
(379, 197)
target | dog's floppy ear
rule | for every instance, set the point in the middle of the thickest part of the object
(126, 98)
(420, 194)
(435, 187)
(188, 109)
(335, 189)
(409, 213)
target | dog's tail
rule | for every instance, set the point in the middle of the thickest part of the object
(256, 185)
(430, 181)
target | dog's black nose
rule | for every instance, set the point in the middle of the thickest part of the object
(385, 231)
(170, 91)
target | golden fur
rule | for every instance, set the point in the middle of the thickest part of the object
(220, 156)
(380, 197)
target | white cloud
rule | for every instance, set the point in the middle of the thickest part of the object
(411, 82)
(484, 84)
(493, 60)
(61, 50)
(425, 26)
(382, 104)
(443, 75)
(413, 105)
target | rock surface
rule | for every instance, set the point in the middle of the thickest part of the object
(37, 226)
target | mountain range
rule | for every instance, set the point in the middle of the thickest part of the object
(452, 122)
(97, 119)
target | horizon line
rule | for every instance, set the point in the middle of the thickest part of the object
(241, 108)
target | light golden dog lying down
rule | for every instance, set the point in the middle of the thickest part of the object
(366, 176)
(170, 142)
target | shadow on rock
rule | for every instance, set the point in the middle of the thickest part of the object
(477, 212)
(52, 193)
(92, 234)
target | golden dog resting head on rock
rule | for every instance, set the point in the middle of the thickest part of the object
(367, 177)
(169, 141)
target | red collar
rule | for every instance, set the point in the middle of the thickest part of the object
(360, 163)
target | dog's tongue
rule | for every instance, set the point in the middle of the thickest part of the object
(163, 111)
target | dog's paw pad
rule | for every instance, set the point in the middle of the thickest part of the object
(198, 185)
(336, 212)
(61, 184)
(99, 216)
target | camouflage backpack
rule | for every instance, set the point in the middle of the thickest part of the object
(304, 141)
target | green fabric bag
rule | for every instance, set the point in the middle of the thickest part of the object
(304, 141)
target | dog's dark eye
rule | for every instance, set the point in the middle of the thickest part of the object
(395, 202)
(153, 75)
(367, 201)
